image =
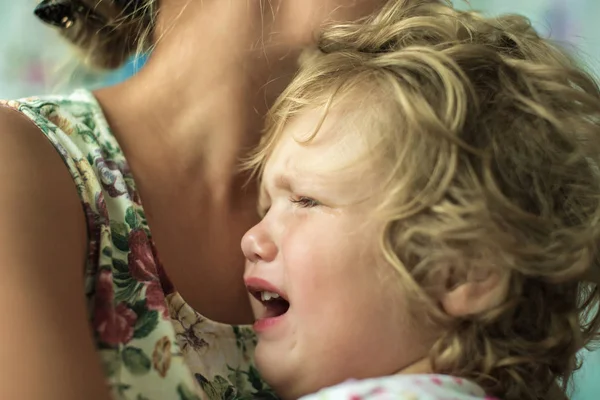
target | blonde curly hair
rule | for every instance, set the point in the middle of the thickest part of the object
(492, 137)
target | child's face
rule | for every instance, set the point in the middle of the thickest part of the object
(317, 247)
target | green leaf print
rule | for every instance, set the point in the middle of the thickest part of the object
(254, 378)
(238, 379)
(121, 388)
(145, 324)
(111, 151)
(141, 216)
(107, 251)
(186, 394)
(132, 219)
(244, 337)
(217, 389)
(86, 135)
(223, 389)
(136, 361)
(264, 395)
(121, 276)
(110, 361)
(129, 293)
(123, 282)
(89, 121)
(147, 319)
(120, 266)
(259, 390)
(139, 307)
(119, 232)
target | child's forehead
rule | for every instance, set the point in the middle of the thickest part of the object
(339, 160)
(328, 141)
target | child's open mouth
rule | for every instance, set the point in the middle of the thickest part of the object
(275, 304)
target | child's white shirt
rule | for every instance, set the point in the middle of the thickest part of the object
(403, 387)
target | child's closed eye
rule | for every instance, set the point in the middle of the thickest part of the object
(304, 202)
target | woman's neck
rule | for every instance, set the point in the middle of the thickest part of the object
(182, 122)
(198, 102)
(216, 69)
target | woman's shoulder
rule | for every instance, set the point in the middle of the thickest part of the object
(73, 122)
(76, 127)
(25, 153)
(403, 387)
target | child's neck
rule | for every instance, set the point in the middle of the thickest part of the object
(422, 366)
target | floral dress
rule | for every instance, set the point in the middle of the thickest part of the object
(152, 344)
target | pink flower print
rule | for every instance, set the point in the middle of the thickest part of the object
(104, 288)
(377, 390)
(437, 381)
(101, 207)
(114, 325)
(458, 381)
(155, 298)
(142, 265)
(167, 285)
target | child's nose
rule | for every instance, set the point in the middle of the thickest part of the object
(258, 245)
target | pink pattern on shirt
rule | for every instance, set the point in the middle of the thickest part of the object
(437, 381)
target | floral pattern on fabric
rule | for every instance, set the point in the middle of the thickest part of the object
(403, 387)
(152, 344)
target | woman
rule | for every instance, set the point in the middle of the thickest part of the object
(76, 170)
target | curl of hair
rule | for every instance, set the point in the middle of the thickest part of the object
(492, 150)
(108, 32)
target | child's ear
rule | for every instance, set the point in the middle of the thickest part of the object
(473, 292)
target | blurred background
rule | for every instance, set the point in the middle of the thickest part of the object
(33, 61)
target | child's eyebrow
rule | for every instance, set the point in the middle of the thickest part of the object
(298, 182)
(284, 182)
(281, 182)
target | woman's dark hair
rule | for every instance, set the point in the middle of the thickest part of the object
(106, 32)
